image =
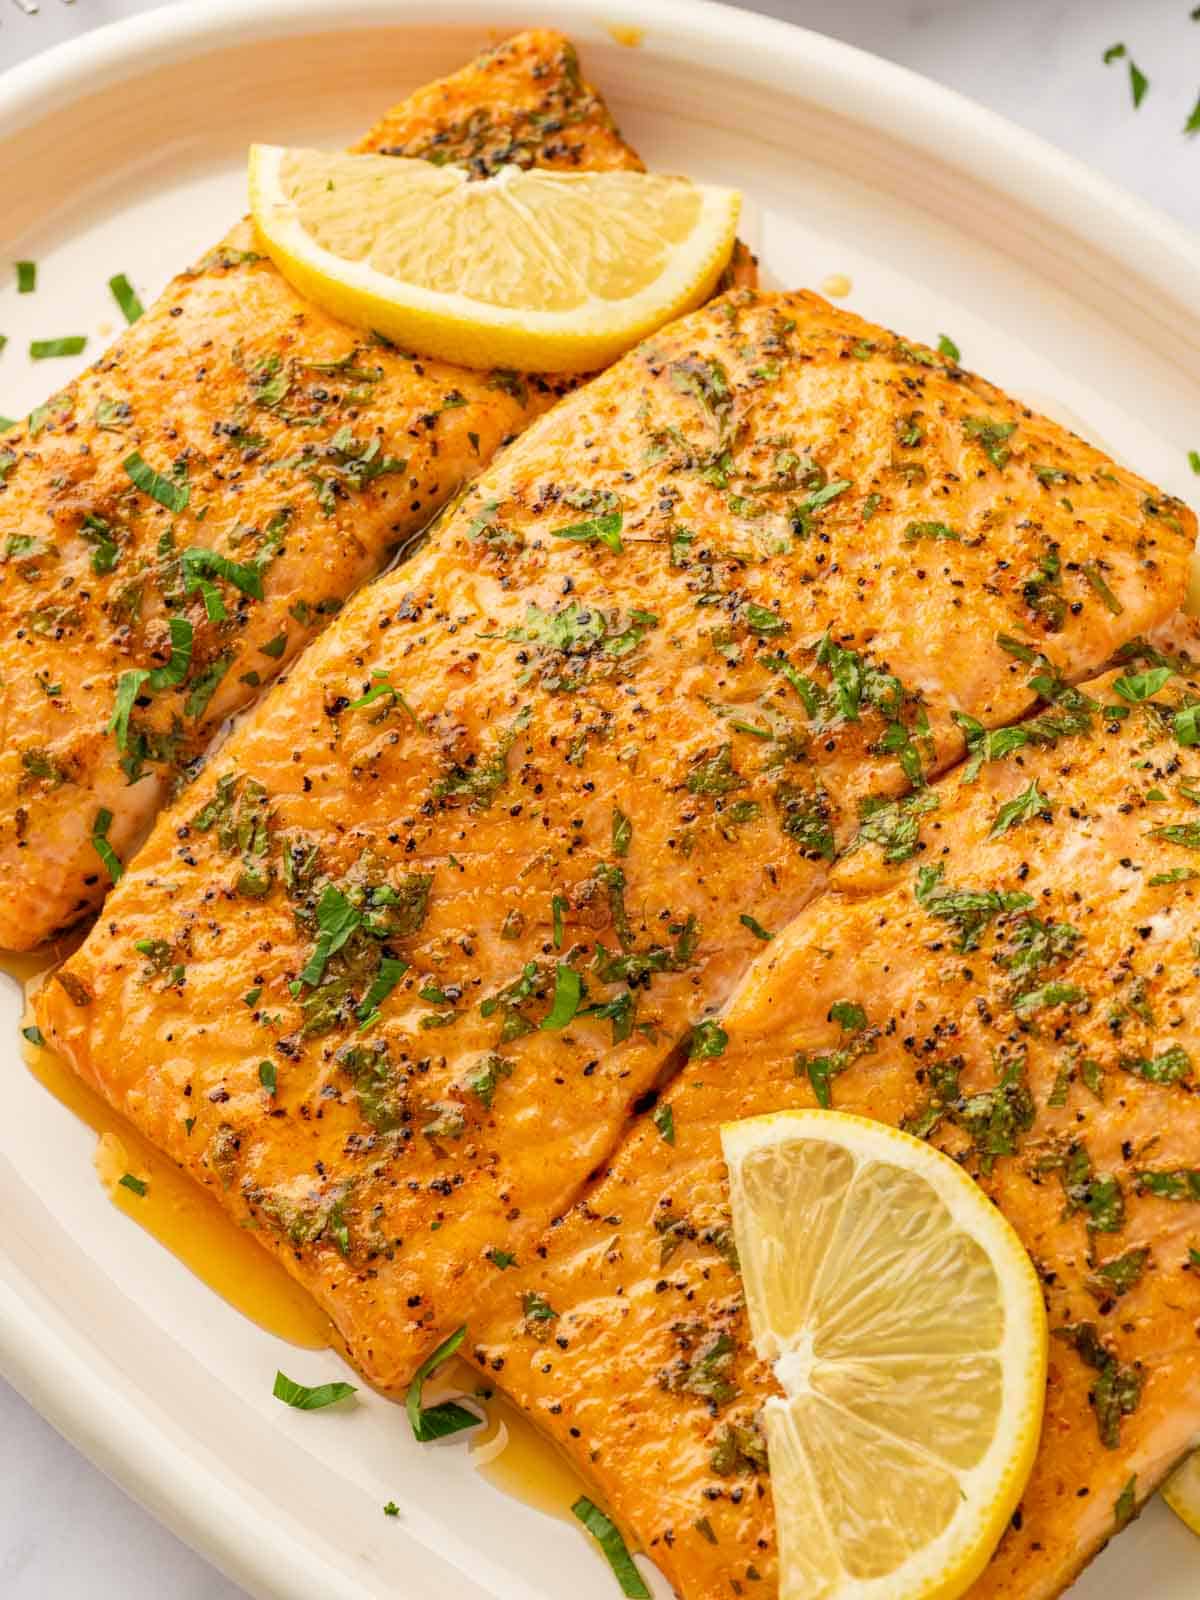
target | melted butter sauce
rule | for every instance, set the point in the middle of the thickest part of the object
(529, 1467)
(625, 33)
(184, 1218)
(177, 1211)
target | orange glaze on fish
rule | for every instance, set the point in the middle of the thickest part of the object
(517, 821)
(1043, 1032)
(307, 455)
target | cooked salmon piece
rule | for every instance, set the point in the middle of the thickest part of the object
(179, 522)
(1019, 985)
(522, 816)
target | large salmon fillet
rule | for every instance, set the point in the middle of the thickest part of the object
(1027, 965)
(519, 819)
(293, 457)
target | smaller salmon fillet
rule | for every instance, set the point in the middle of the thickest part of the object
(1029, 979)
(520, 819)
(279, 460)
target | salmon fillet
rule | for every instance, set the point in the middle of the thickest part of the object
(278, 460)
(1026, 963)
(514, 825)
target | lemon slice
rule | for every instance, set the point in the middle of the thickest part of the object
(542, 271)
(905, 1325)
(1182, 1491)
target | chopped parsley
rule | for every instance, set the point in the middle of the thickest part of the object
(110, 858)
(71, 344)
(707, 383)
(995, 1119)
(948, 348)
(105, 550)
(929, 530)
(1186, 834)
(992, 437)
(126, 297)
(820, 1070)
(268, 1076)
(447, 1417)
(1100, 1195)
(708, 1039)
(604, 529)
(1174, 1065)
(537, 1309)
(568, 991)
(337, 919)
(176, 669)
(968, 910)
(169, 492)
(301, 1398)
(1118, 1276)
(763, 621)
(391, 970)
(1031, 802)
(199, 565)
(1139, 686)
(715, 775)
(26, 277)
(485, 1078)
(663, 1118)
(1091, 571)
(205, 686)
(616, 1553)
(1125, 1505)
(1180, 1183)
(132, 682)
(622, 832)
(1117, 1390)
(894, 825)
(137, 1186)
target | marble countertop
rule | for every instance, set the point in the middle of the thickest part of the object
(66, 1532)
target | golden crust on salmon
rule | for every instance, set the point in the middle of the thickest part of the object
(522, 816)
(180, 521)
(1017, 976)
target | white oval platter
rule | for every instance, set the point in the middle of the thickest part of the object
(124, 153)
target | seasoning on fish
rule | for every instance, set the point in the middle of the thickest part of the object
(1021, 990)
(179, 522)
(515, 826)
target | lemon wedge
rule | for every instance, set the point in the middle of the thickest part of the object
(542, 271)
(905, 1325)
(1182, 1491)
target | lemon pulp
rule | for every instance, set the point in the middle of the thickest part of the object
(539, 270)
(905, 1326)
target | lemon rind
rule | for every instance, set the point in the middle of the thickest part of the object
(947, 1567)
(453, 327)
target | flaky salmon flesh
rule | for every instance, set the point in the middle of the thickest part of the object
(1020, 941)
(516, 826)
(178, 523)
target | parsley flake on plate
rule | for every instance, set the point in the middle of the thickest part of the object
(301, 1398)
(447, 1417)
(608, 1536)
(126, 297)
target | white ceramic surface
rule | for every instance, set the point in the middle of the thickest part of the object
(945, 220)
